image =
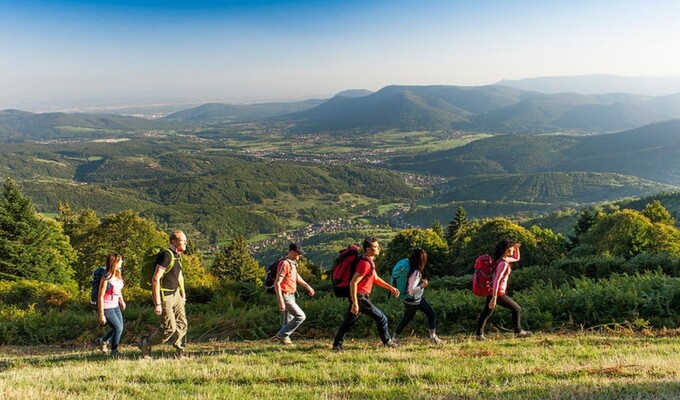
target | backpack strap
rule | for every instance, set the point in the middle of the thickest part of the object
(279, 265)
(167, 269)
(356, 262)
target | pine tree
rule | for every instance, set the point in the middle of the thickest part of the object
(456, 226)
(437, 228)
(235, 263)
(586, 219)
(31, 246)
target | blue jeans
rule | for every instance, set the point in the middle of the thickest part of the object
(114, 317)
(293, 316)
(367, 308)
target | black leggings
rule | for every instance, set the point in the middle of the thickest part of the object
(410, 312)
(504, 301)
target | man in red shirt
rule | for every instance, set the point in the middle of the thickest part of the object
(359, 295)
(285, 287)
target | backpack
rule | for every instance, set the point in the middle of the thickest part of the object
(270, 276)
(400, 277)
(149, 266)
(343, 270)
(97, 276)
(482, 278)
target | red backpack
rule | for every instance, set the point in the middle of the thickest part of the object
(343, 270)
(482, 278)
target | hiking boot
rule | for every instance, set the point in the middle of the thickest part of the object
(523, 334)
(284, 340)
(392, 344)
(145, 348)
(180, 354)
(338, 348)
(116, 354)
(480, 337)
(103, 347)
(436, 340)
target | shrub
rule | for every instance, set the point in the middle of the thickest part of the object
(42, 295)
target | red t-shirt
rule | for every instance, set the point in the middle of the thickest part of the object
(288, 269)
(366, 269)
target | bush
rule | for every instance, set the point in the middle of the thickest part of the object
(42, 295)
(244, 311)
(645, 262)
(450, 283)
(586, 303)
(527, 277)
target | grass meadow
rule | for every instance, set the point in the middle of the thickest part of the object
(545, 366)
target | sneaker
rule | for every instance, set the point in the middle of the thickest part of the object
(284, 340)
(338, 348)
(116, 354)
(392, 344)
(480, 337)
(523, 334)
(103, 347)
(145, 348)
(436, 340)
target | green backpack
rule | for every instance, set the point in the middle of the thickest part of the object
(149, 265)
(400, 277)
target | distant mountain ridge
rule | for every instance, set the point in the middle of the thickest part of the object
(598, 84)
(485, 108)
(438, 108)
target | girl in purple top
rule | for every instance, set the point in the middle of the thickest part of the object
(505, 252)
(111, 304)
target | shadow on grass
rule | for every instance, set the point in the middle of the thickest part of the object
(615, 390)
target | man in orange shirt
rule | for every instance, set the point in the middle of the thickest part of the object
(285, 287)
(359, 295)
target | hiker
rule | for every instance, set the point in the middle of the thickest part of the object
(359, 296)
(505, 252)
(110, 304)
(285, 286)
(414, 300)
(169, 298)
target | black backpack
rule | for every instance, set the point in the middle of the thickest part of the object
(97, 276)
(270, 276)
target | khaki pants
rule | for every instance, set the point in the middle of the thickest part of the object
(173, 320)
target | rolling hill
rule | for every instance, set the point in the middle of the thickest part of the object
(218, 112)
(22, 125)
(650, 152)
(560, 188)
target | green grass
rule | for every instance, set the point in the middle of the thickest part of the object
(544, 366)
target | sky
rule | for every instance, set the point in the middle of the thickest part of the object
(56, 52)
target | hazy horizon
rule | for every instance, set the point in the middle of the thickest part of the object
(68, 52)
